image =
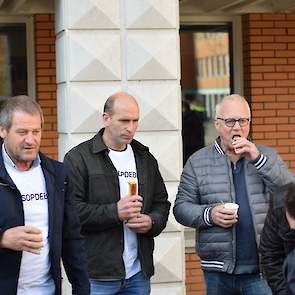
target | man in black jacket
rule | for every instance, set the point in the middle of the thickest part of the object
(121, 199)
(38, 223)
(278, 240)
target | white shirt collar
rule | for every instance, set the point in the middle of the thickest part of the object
(7, 160)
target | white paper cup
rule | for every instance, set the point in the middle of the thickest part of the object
(232, 206)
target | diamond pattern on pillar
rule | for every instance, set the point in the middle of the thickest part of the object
(165, 148)
(152, 55)
(163, 13)
(159, 104)
(89, 97)
(66, 142)
(93, 14)
(168, 266)
(94, 55)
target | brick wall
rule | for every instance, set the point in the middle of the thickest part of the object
(269, 77)
(46, 81)
(194, 276)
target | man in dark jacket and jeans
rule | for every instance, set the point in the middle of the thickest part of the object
(278, 241)
(38, 223)
(121, 199)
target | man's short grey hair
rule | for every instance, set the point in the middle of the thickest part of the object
(21, 103)
(232, 97)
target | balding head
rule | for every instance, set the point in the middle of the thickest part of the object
(230, 98)
(118, 97)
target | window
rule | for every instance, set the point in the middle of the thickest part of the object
(13, 59)
(208, 48)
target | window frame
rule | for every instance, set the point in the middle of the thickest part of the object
(29, 23)
(236, 39)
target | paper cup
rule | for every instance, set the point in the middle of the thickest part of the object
(232, 206)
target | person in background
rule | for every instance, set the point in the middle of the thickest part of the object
(38, 221)
(121, 199)
(192, 131)
(278, 241)
(232, 169)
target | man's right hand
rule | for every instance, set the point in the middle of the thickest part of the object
(129, 207)
(22, 238)
(223, 217)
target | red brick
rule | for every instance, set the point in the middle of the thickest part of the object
(262, 39)
(46, 87)
(288, 127)
(43, 64)
(274, 46)
(263, 53)
(263, 128)
(275, 61)
(273, 31)
(290, 142)
(276, 120)
(263, 83)
(45, 81)
(263, 98)
(254, 32)
(276, 135)
(42, 33)
(282, 149)
(45, 41)
(285, 24)
(276, 16)
(275, 91)
(276, 105)
(275, 76)
(42, 18)
(285, 39)
(285, 83)
(256, 106)
(285, 53)
(42, 48)
(261, 24)
(45, 25)
(46, 72)
(45, 56)
(286, 112)
(262, 69)
(286, 97)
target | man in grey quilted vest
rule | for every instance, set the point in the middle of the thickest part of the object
(231, 170)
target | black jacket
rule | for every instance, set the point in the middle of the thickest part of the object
(277, 241)
(97, 192)
(64, 230)
(289, 271)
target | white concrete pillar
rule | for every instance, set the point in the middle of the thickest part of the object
(105, 46)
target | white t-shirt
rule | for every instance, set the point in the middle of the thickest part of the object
(34, 275)
(124, 163)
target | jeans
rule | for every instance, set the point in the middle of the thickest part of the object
(218, 283)
(136, 285)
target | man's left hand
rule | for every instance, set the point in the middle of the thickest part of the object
(140, 224)
(243, 146)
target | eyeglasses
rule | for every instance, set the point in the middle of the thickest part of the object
(231, 122)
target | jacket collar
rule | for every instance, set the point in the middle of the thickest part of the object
(218, 146)
(45, 163)
(98, 145)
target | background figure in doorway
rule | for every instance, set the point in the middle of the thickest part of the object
(192, 130)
